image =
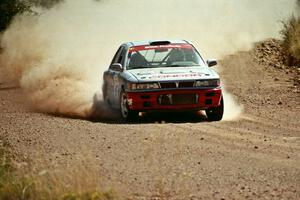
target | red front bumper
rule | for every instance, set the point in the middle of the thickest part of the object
(205, 98)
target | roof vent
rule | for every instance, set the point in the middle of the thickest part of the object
(160, 43)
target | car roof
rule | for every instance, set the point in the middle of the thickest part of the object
(142, 43)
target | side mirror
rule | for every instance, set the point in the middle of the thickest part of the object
(116, 67)
(211, 62)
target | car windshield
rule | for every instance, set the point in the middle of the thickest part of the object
(172, 55)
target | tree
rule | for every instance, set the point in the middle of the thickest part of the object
(8, 9)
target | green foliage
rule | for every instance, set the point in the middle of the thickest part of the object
(291, 41)
(43, 3)
(109, 195)
(8, 9)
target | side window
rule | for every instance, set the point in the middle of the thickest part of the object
(122, 56)
(118, 56)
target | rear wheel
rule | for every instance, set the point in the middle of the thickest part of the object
(126, 113)
(216, 113)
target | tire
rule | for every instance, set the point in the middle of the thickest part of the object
(126, 113)
(216, 113)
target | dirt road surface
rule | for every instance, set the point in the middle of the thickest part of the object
(178, 157)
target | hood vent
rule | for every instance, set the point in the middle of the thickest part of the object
(154, 43)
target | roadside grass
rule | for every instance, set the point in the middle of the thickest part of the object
(291, 40)
(73, 183)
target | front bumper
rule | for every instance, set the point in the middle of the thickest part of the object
(203, 99)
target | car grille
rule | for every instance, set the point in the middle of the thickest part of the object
(168, 85)
(184, 84)
(177, 99)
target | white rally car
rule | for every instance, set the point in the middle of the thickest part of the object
(162, 75)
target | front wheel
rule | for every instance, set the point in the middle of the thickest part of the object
(126, 113)
(216, 113)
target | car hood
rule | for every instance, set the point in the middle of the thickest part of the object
(173, 73)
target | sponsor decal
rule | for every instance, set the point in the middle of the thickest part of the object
(169, 46)
(176, 76)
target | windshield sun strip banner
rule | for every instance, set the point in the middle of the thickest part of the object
(153, 47)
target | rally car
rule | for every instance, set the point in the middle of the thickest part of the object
(162, 76)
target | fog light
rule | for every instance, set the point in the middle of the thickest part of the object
(129, 101)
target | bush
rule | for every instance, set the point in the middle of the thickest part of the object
(8, 9)
(291, 41)
(44, 3)
(55, 185)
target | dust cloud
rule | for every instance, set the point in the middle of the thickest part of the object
(232, 110)
(58, 55)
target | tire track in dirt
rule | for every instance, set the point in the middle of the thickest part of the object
(257, 156)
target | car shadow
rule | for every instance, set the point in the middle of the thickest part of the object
(102, 113)
(164, 117)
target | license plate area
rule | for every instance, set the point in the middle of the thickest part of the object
(177, 99)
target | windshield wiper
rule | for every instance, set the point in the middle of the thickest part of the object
(181, 65)
(140, 67)
(174, 66)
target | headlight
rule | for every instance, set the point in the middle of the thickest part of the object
(143, 86)
(208, 83)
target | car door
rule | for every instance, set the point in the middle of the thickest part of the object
(114, 85)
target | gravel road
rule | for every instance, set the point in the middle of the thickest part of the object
(179, 156)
